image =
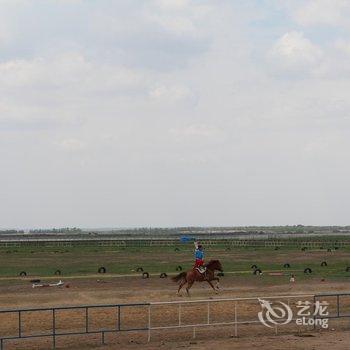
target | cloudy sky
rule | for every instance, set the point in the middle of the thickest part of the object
(174, 112)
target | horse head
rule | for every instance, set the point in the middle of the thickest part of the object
(214, 265)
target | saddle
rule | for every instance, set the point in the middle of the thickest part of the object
(201, 269)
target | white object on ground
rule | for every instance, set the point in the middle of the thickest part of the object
(58, 284)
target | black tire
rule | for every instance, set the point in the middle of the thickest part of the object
(102, 269)
(336, 248)
(308, 270)
(145, 275)
(324, 263)
(139, 269)
(257, 272)
(58, 272)
(23, 273)
(221, 274)
(286, 266)
(179, 268)
(254, 267)
(163, 275)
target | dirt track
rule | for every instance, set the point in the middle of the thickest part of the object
(80, 291)
(314, 341)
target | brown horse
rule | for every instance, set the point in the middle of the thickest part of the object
(194, 275)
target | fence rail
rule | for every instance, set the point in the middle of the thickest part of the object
(54, 333)
(155, 320)
(252, 241)
(233, 321)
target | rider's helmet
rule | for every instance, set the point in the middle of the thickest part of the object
(200, 247)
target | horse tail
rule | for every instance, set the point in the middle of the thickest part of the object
(180, 276)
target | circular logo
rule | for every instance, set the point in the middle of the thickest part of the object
(271, 315)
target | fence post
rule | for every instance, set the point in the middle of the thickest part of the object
(208, 318)
(119, 322)
(314, 311)
(179, 314)
(87, 320)
(53, 329)
(19, 325)
(338, 312)
(236, 325)
(149, 322)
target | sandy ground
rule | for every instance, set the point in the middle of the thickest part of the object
(314, 341)
(19, 293)
(131, 289)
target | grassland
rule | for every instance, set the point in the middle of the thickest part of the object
(85, 260)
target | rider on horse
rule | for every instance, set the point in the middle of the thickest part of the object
(199, 255)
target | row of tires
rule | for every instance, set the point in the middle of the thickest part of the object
(258, 271)
(178, 268)
(24, 273)
(145, 274)
(164, 275)
(102, 269)
(287, 265)
(277, 248)
(328, 249)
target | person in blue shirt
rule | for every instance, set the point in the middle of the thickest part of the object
(199, 257)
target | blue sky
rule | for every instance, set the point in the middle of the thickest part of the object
(174, 112)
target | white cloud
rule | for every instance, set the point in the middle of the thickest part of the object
(57, 89)
(59, 71)
(197, 130)
(65, 70)
(72, 145)
(176, 93)
(177, 25)
(294, 51)
(171, 5)
(322, 12)
(343, 45)
(172, 100)
(5, 36)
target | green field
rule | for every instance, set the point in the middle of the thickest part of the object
(81, 260)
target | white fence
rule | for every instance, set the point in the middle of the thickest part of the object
(239, 315)
(234, 318)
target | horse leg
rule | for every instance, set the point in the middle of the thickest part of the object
(211, 284)
(211, 277)
(189, 285)
(180, 286)
(217, 281)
